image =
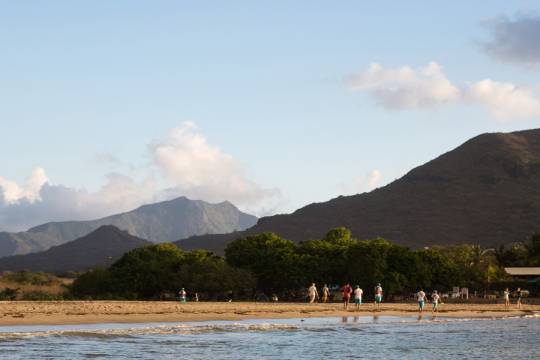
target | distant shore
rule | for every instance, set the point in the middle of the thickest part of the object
(91, 312)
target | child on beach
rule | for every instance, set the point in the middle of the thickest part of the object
(435, 298)
(358, 296)
(519, 295)
(378, 296)
(421, 295)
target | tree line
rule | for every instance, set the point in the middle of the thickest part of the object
(269, 264)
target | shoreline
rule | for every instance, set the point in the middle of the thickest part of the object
(14, 313)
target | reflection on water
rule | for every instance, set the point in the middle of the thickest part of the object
(387, 337)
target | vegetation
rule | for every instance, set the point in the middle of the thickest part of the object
(26, 285)
(270, 264)
(159, 271)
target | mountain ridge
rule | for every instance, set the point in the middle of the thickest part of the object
(159, 222)
(485, 191)
(100, 248)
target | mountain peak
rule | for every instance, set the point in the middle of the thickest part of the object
(100, 248)
(159, 222)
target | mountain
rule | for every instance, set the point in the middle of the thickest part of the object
(486, 191)
(98, 249)
(160, 222)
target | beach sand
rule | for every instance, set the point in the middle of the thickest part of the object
(86, 312)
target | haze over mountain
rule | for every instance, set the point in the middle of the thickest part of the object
(486, 191)
(98, 249)
(159, 222)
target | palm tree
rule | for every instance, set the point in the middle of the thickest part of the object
(500, 255)
(479, 255)
(482, 261)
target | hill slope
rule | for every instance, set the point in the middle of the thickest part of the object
(160, 222)
(486, 191)
(97, 249)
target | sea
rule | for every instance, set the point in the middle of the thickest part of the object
(363, 337)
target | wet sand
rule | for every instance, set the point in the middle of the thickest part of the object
(87, 312)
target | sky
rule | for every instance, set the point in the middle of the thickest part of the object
(107, 105)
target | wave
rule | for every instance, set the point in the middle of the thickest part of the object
(191, 329)
(139, 331)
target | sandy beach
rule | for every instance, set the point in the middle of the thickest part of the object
(83, 312)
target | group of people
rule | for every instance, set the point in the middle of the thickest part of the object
(435, 300)
(506, 295)
(347, 292)
(182, 295)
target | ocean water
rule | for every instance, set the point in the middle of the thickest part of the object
(382, 337)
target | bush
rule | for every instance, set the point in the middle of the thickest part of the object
(28, 277)
(9, 294)
(42, 296)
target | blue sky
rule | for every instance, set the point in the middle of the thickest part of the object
(94, 89)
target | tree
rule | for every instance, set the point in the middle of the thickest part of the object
(338, 235)
(533, 250)
(95, 283)
(147, 272)
(367, 262)
(272, 259)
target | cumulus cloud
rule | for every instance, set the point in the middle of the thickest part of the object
(504, 100)
(12, 192)
(374, 179)
(515, 39)
(186, 164)
(200, 170)
(364, 183)
(405, 87)
(48, 202)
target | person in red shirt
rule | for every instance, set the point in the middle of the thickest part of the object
(347, 291)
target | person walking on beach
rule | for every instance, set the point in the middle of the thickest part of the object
(312, 293)
(358, 296)
(325, 293)
(378, 296)
(421, 295)
(435, 299)
(347, 291)
(519, 295)
(506, 295)
(182, 293)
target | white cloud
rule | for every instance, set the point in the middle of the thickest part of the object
(515, 39)
(13, 192)
(505, 101)
(404, 87)
(200, 170)
(361, 184)
(187, 164)
(374, 179)
(41, 202)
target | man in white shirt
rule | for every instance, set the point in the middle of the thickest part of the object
(312, 293)
(358, 296)
(378, 296)
(421, 295)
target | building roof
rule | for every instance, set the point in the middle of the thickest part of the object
(523, 271)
